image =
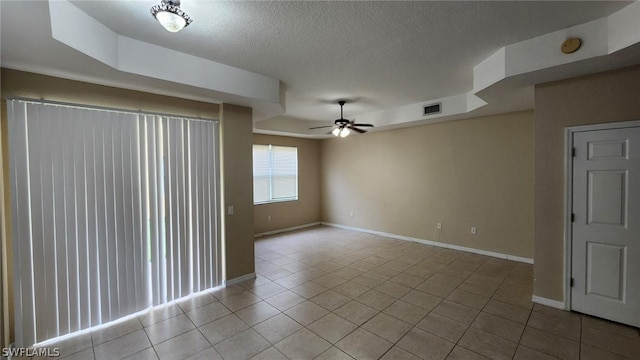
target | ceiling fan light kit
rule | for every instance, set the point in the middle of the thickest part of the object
(344, 126)
(170, 16)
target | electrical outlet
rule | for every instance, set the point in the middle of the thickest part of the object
(230, 210)
(351, 213)
(269, 218)
(439, 226)
(474, 230)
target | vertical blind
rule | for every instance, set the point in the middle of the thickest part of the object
(275, 173)
(113, 212)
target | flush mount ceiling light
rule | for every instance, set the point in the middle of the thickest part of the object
(169, 15)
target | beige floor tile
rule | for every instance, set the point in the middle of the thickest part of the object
(242, 346)
(309, 289)
(182, 346)
(610, 327)
(197, 301)
(277, 328)
(356, 312)
(507, 311)
(387, 327)
(347, 273)
(256, 313)
(331, 300)
(306, 312)
(565, 326)
(445, 278)
(115, 330)
(407, 280)
(86, 354)
(398, 353)
(362, 344)
(435, 288)
(207, 354)
(549, 344)
(169, 328)
(525, 353)
(351, 289)
(469, 299)
(588, 352)
(455, 311)
(333, 353)
(304, 344)
(329, 281)
(496, 325)
(160, 313)
(376, 299)
(384, 272)
(123, 346)
(73, 344)
(422, 299)
(479, 289)
(223, 328)
(443, 326)
(486, 344)
(393, 289)
(267, 290)
(146, 354)
(207, 313)
(369, 280)
(270, 354)
(425, 345)
(227, 291)
(610, 342)
(332, 327)
(515, 295)
(291, 281)
(460, 353)
(406, 312)
(240, 300)
(285, 300)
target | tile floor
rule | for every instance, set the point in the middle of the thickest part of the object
(328, 293)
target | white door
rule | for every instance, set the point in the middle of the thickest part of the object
(606, 226)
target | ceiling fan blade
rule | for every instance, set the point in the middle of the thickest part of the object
(360, 131)
(321, 127)
(366, 125)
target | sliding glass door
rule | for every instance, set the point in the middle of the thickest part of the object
(113, 212)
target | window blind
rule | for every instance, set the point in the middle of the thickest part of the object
(275, 173)
(113, 212)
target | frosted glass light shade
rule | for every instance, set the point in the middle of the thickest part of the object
(171, 21)
(336, 131)
(345, 132)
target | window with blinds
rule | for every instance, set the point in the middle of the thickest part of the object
(275, 173)
(113, 212)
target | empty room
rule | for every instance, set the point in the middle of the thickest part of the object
(194, 179)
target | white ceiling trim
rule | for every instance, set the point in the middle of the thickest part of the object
(83, 33)
(509, 73)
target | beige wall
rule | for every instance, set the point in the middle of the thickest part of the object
(306, 209)
(237, 173)
(476, 172)
(600, 98)
(236, 137)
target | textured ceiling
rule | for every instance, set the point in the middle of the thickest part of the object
(379, 54)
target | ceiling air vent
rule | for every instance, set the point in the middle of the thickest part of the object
(432, 109)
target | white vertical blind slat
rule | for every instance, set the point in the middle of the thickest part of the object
(113, 211)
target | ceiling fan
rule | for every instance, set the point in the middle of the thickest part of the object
(343, 126)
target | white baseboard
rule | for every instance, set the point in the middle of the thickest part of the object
(273, 232)
(435, 243)
(549, 302)
(240, 279)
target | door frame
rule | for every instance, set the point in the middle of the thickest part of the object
(568, 193)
